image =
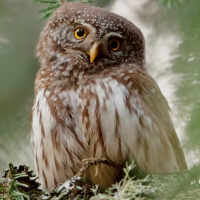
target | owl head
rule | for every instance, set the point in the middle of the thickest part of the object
(97, 36)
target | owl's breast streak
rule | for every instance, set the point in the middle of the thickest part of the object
(118, 125)
(58, 145)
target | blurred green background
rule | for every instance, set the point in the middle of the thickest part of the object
(20, 26)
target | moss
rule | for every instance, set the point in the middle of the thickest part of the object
(20, 183)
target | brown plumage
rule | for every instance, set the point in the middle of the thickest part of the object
(94, 98)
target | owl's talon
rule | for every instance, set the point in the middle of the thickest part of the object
(96, 170)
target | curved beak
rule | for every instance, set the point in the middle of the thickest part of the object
(94, 51)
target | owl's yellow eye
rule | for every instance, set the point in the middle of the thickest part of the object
(80, 33)
(114, 44)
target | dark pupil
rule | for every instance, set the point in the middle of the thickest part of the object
(114, 44)
(80, 32)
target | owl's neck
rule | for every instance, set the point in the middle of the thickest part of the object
(68, 69)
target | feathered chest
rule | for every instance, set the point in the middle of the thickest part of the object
(118, 115)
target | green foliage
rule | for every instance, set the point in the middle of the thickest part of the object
(171, 3)
(20, 184)
(182, 185)
(52, 5)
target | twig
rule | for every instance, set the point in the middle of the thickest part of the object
(89, 162)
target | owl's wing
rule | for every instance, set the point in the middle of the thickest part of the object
(158, 109)
(123, 115)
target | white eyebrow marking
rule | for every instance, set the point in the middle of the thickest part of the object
(114, 34)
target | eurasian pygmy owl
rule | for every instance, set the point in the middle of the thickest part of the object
(94, 98)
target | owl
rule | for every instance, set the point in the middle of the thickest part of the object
(95, 99)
